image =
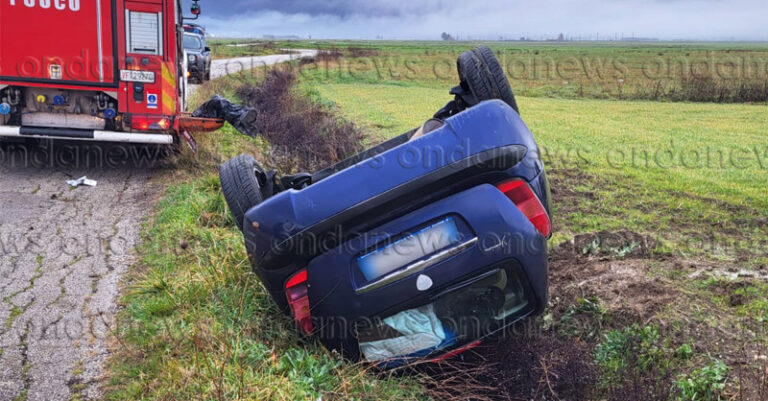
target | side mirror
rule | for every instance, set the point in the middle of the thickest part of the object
(195, 12)
(208, 49)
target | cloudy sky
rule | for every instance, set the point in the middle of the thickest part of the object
(488, 19)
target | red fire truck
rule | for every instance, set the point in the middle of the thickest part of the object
(99, 70)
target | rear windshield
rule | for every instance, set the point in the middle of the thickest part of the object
(192, 42)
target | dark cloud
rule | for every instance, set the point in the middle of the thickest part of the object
(488, 19)
(340, 8)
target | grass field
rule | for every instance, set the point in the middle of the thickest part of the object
(691, 176)
(222, 48)
(680, 321)
(712, 72)
(664, 168)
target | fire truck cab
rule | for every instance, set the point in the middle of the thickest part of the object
(99, 70)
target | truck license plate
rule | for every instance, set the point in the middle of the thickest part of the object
(147, 77)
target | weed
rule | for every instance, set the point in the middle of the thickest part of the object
(709, 89)
(685, 351)
(620, 347)
(22, 396)
(635, 364)
(705, 384)
(584, 319)
(15, 312)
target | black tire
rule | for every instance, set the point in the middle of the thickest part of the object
(207, 76)
(481, 73)
(241, 186)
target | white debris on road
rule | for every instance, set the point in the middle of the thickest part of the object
(82, 181)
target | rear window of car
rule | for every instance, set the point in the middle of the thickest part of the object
(192, 42)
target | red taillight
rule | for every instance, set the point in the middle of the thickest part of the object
(146, 123)
(297, 292)
(521, 194)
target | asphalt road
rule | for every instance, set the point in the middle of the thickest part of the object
(63, 253)
(220, 68)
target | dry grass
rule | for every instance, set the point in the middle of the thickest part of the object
(302, 135)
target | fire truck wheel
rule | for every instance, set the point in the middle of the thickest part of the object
(241, 186)
(481, 72)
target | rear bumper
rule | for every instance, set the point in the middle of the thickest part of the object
(85, 135)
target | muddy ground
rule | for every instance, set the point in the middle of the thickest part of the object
(622, 282)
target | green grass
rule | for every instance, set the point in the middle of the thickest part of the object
(658, 71)
(571, 70)
(197, 324)
(630, 354)
(706, 383)
(611, 170)
(618, 154)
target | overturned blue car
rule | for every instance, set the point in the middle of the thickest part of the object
(418, 248)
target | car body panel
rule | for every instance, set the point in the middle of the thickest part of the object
(451, 174)
(488, 126)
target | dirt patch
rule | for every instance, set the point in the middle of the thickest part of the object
(552, 357)
(580, 195)
(614, 268)
(325, 56)
(622, 244)
(532, 368)
(565, 180)
(625, 288)
(302, 135)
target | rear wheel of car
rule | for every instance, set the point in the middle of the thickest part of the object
(481, 73)
(241, 187)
